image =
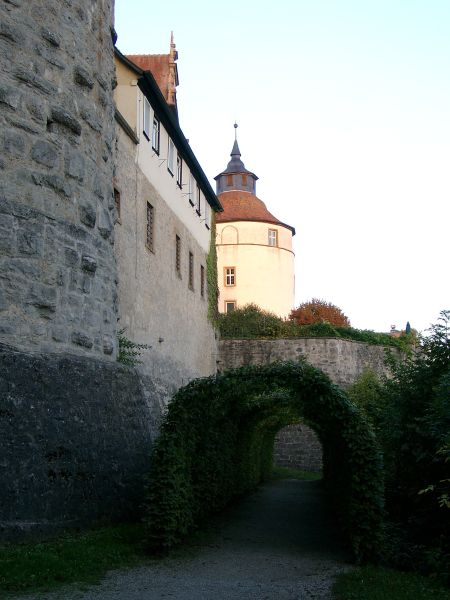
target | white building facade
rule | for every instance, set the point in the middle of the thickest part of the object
(165, 210)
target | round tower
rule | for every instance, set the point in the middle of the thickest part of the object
(254, 249)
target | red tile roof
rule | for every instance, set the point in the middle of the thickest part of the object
(244, 206)
(158, 65)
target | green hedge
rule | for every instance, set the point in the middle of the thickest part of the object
(251, 322)
(217, 439)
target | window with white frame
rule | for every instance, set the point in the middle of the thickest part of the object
(179, 171)
(230, 276)
(146, 118)
(156, 128)
(170, 156)
(191, 189)
(207, 214)
(199, 201)
(230, 305)
(273, 237)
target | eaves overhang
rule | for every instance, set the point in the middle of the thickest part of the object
(148, 86)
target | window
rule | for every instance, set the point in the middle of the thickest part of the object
(199, 197)
(155, 134)
(207, 214)
(191, 271)
(170, 155)
(191, 189)
(230, 305)
(150, 226)
(229, 180)
(230, 276)
(244, 179)
(179, 171)
(273, 237)
(117, 204)
(178, 255)
(146, 118)
(202, 281)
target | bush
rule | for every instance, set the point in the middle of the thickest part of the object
(216, 443)
(252, 322)
(319, 311)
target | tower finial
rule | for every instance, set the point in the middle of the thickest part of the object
(235, 130)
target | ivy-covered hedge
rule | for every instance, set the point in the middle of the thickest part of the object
(251, 322)
(217, 439)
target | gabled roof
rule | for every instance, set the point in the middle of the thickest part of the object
(244, 206)
(151, 90)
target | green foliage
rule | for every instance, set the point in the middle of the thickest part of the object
(128, 350)
(372, 583)
(251, 322)
(216, 444)
(411, 416)
(366, 393)
(211, 276)
(72, 558)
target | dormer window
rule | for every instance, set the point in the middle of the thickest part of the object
(146, 118)
(155, 134)
(170, 156)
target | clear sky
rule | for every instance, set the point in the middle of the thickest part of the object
(343, 109)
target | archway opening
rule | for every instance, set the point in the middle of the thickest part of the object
(217, 443)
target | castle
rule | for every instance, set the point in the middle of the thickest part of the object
(106, 220)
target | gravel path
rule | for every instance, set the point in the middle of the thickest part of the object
(278, 544)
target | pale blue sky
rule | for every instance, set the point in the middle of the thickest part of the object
(344, 114)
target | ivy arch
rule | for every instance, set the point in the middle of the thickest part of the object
(217, 439)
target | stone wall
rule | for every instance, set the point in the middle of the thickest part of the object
(57, 265)
(341, 360)
(297, 446)
(76, 437)
(156, 305)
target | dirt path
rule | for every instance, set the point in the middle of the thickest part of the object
(278, 544)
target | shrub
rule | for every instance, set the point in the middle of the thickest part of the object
(217, 439)
(318, 311)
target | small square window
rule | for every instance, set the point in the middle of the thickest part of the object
(273, 237)
(230, 276)
(155, 134)
(230, 306)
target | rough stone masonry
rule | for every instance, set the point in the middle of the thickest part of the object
(75, 426)
(57, 269)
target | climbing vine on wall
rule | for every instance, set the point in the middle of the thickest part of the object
(211, 275)
(217, 439)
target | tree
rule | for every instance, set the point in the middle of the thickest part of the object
(318, 311)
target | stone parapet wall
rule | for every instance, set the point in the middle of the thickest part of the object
(297, 446)
(342, 360)
(57, 265)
